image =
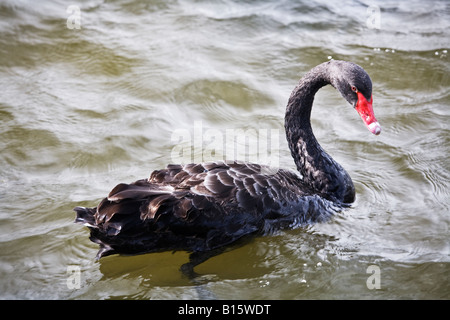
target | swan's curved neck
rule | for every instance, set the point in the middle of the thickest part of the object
(320, 172)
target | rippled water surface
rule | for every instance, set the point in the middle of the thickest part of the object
(140, 82)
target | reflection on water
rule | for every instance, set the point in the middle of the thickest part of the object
(83, 109)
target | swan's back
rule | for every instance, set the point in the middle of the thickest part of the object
(200, 207)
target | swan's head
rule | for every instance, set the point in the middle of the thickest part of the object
(355, 86)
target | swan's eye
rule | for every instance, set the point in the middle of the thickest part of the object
(354, 89)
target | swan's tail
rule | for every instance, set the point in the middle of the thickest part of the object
(85, 216)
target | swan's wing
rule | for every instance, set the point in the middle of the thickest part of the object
(207, 205)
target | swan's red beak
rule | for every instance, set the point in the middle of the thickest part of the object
(365, 110)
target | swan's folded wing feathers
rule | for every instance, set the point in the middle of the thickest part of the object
(245, 200)
(261, 180)
(183, 208)
(215, 165)
(149, 209)
(216, 186)
(158, 176)
(249, 186)
(181, 175)
(200, 202)
(193, 168)
(137, 190)
(225, 178)
(254, 167)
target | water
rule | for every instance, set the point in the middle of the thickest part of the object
(84, 109)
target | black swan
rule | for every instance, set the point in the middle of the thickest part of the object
(203, 208)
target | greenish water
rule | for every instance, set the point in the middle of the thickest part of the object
(84, 109)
